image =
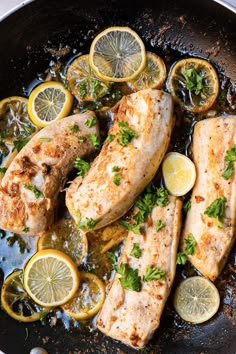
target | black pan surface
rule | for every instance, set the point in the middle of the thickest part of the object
(200, 28)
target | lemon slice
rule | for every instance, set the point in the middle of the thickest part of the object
(14, 118)
(153, 75)
(179, 173)
(51, 278)
(117, 54)
(83, 82)
(89, 298)
(49, 102)
(196, 300)
(64, 236)
(16, 302)
(194, 84)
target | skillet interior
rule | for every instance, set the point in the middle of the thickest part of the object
(24, 36)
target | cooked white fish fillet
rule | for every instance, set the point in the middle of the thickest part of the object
(132, 317)
(30, 186)
(149, 114)
(211, 139)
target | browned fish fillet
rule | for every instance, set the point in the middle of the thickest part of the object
(149, 114)
(211, 139)
(30, 187)
(132, 317)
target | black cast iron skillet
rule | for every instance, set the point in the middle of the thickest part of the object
(177, 28)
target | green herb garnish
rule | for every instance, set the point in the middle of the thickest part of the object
(187, 206)
(81, 139)
(159, 225)
(112, 257)
(45, 140)
(181, 258)
(230, 157)
(130, 280)
(37, 193)
(83, 89)
(115, 169)
(88, 224)
(194, 81)
(95, 140)
(20, 143)
(190, 245)
(132, 227)
(213, 248)
(3, 170)
(136, 251)
(90, 122)
(126, 133)
(216, 210)
(82, 166)
(110, 138)
(162, 197)
(153, 273)
(116, 179)
(26, 229)
(74, 128)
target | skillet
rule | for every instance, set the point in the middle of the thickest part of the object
(200, 28)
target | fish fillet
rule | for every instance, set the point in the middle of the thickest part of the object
(149, 114)
(211, 139)
(132, 317)
(42, 164)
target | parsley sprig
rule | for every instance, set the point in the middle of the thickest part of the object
(136, 251)
(130, 280)
(194, 81)
(132, 227)
(82, 166)
(230, 157)
(190, 245)
(217, 210)
(90, 122)
(181, 258)
(153, 273)
(95, 140)
(37, 193)
(20, 143)
(126, 134)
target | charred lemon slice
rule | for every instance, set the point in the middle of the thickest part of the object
(16, 302)
(117, 54)
(49, 102)
(65, 237)
(153, 75)
(196, 300)
(83, 82)
(51, 278)
(89, 298)
(193, 83)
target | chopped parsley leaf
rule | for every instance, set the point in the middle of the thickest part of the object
(190, 245)
(88, 224)
(45, 140)
(20, 143)
(95, 140)
(194, 81)
(83, 89)
(216, 210)
(115, 169)
(26, 229)
(136, 251)
(110, 138)
(126, 133)
(116, 179)
(3, 169)
(82, 166)
(181, 258)
(130, 280)
(132, 227)
(230, 157)
(112, 257)
(153, 273)
(162, 197)
(74, 128)
(81, 139)
(213, 248)
(159, 225)
(187, 206)
(90, 122)
(37, 193)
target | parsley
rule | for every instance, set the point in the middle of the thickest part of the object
(126, 133)
(194, 81)
(74, 128)
(15, 238)
(112, 257)
(130, 280)
(213, 248)
(159, 225)
(187, 206)
(115, 169)
(90, 122)
(132, 227)
(81, 139)
(136, 251)
(37, 193)
(110, 138)
(190, 245)
(89, 224)
(95, 140)
(26, 229)
(43, 317)
(45, 140)
(181, 258)
(20, 143)
(145, 203)
(162, 197)
(153, 273)
(216, 210)
(82, 166)
(116, 179)
(83, 89)
(117, 95)
(95, 87)
(3, 169)
(230, 157)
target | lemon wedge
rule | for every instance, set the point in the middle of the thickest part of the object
(196, 300)
(49, 102)
(153, 75)
(117, 54)
(15, 300)
(179, 173)
(51, 278)
(89, 298)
